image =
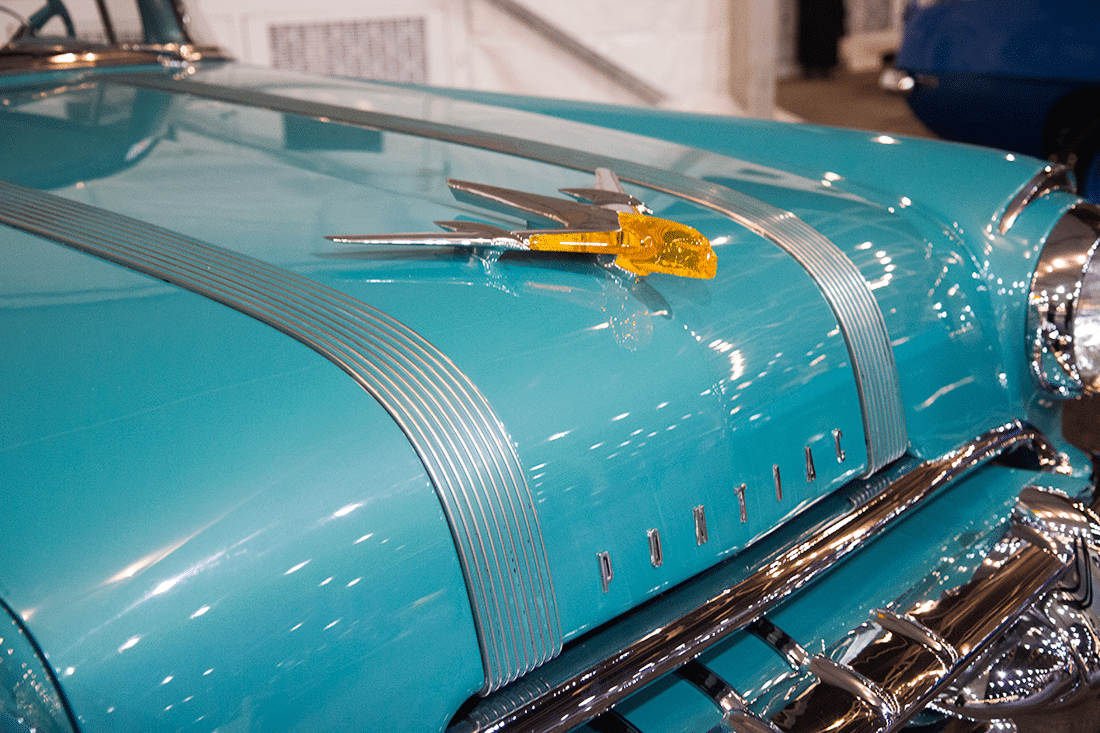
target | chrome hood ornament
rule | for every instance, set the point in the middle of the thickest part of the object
(603, 220)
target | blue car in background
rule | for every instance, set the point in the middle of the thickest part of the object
(329, 405)
(1022, 75)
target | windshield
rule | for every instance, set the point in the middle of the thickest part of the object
(94, 23)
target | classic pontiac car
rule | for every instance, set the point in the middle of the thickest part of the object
(730, 426)
(1023, 75)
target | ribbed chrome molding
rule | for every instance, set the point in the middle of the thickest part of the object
(587, 680)
(841, 283)
(455, 432)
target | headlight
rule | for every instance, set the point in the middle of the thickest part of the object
(1063, 319)
(29, 700)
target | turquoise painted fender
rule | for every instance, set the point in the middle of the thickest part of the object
(269, 480)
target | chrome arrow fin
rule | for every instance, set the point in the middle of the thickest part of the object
(604, 220)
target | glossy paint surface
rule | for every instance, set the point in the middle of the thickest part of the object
(990, 110)
(1018, 38)
(624, 400)
(910, 214)
(628, 403)
(216, 524)
(990, 72)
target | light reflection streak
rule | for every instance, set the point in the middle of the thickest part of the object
(151, 559)
(942, 391)
(297, 567)
(346, 510)
(170, 583)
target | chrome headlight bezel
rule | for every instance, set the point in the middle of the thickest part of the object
(1064, 281)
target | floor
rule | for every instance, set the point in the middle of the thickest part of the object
(855, 101)
(849, 100)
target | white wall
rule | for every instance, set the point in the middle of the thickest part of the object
(684, 49)
(703, 55)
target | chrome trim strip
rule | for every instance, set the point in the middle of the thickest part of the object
(1056, 298)
(461, 442)
(607, 573)
(909, 628)
(1055, 513)
(699, 514)
(778, 482)
(64, 59)
(743, 509)
(590, 678)
(707, 681)
(1055, 177)
(59, 702)
(841, 283)
(793, 653)
(843, 677)
(656, 556)
(811, 472)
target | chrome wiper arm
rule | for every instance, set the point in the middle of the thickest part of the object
(29, 27)
(24, 26)
(52, 9)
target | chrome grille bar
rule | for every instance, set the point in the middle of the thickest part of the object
(897, 675)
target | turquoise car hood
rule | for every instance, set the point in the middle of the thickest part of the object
(212, 460)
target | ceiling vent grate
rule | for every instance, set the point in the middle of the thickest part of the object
(391, 49)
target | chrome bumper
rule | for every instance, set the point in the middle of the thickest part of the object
(955, 651)
(1016, 644)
